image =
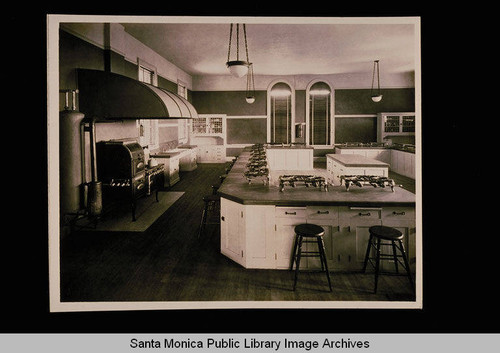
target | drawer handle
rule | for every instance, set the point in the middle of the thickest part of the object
(292, 213)
(323, 212)
(364, 214)
(399, 213)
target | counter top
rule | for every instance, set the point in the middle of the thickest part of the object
(397, 148)
(362, 147)
(236, 188)
(356, 160)
(289, 147)
(166, 154)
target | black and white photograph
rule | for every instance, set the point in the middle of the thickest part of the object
(234, 162)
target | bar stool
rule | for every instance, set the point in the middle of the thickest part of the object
(309, 233)
(215, 189)
(210, 209)
(394, 236)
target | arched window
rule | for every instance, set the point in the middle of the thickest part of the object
(280, 125)
(319, 114)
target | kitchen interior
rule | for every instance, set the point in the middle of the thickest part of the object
(190, 150)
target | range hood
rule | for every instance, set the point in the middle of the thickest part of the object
(106, 95)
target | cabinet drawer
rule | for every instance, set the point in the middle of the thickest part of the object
(322, 212)
(361, 213)
(290, 212)
(396, 213)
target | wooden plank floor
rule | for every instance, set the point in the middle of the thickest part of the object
(169, 263)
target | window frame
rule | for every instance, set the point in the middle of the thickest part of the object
(292, 108)
(184, 125)
(151, 139)
(308, 114)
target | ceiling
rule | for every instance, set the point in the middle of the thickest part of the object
(281, 46)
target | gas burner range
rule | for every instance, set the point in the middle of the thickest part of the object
(305, 180)
(361, 180)
(257, 165)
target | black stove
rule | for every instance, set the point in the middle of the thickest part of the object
(257, 165)
(361, 180)
(303, 180)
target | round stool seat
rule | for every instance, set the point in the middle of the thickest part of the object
(309, 230)
(385, 232)
(210, 198)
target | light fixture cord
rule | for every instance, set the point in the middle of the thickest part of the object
(246, 46)
(378, 78)
(230, 36)
(250, 82)
(237, 41)
(375, 67)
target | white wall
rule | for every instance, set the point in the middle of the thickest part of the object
(337, 81)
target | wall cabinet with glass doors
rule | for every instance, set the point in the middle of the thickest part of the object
(208, 132)
(395, 124)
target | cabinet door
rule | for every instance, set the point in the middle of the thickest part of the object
(286, 220)
(291, 159)
(403, 219)
(219, 154)
(412, 173)
(396, 161)
(259, 237)
(374, 154)
(376, 171)
(279, 160)
(385, 156)
(357, 221)
(305, 160)
(232, 230)
(326, 217)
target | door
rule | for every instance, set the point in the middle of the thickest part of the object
(232, 230)
(259, 239)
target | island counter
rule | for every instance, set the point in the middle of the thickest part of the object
(257, 220)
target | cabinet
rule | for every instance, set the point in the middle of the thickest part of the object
(395, 124)
(380, 154)
(209, 133)
(171, 168)
(356, 221)
(403, 163)
(286, 219)
(262, 236)
(290, 158)
(353, 164)
(187, 160)
(211, 154)
(334, 239)
(209, 124)
(232, 225)
(245, 240)
(403, 219)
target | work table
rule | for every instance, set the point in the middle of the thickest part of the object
(355, 160)
(258, 220)
(409, 149)
(237, 188)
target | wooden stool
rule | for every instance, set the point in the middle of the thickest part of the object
(215, 189)
(309, 231)
(211, 207)
(394, 236)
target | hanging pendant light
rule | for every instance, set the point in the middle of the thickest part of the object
(250, 96)
(237, 68)
(376, 96)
